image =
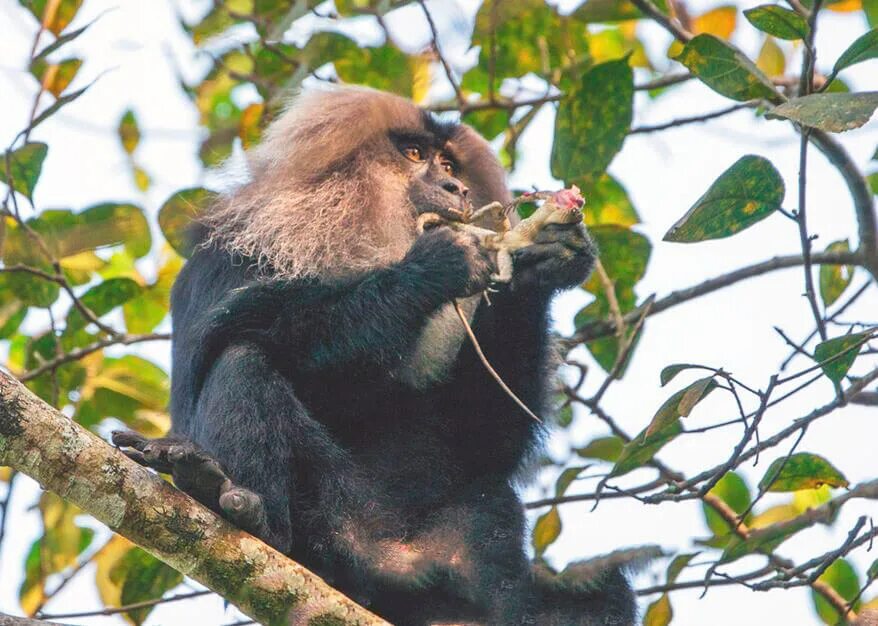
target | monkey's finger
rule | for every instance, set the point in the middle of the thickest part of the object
(571, 235)
(538, 253)
(138, 457)
(128, 439)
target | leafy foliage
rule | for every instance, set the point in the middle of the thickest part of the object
(104, 272)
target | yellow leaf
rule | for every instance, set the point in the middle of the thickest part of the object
(5, 474)
(845, 6)
(86, 261)
(109, 589)
(141, 178)
(773, 515)
(771, 59)
(248, 127)
(420, 69)
(659, 612)
(150, 423)
(720, 21)
(805, 499)
(546, 530)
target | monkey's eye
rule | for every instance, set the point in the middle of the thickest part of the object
(413, 153)
(447, 167)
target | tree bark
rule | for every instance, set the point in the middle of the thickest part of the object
(63, 457)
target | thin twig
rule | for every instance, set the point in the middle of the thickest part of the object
(682, 121)
(113, 610)
(490, 368)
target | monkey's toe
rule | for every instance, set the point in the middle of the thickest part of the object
(243, 507)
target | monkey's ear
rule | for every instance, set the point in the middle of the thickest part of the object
(480, 170)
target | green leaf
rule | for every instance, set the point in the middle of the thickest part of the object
(747, 192)
(834, 279)
(607, 202)
(873, 182)
(764, 540)
(801, 471)
(60, 102)
(177, 214)
(101, 299)
(845, 348)
(566, 479)
(659, 613)
(864, 48)
(546, 530)
(842, 577)
(833, 112)
(681, 404)
(678, 565)
(606, 11)
(778, 21)
(129, 131)
(732, 490)
(23, 167)
(726, 70)
(603, 448)
(669, 372)
(145, 578)
(643, 448)
(63, 39)
(592, 121)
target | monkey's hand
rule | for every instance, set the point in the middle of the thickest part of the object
(561, 256)
(198, 474)
(454, 261)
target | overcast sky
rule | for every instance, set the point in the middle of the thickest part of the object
(136, 48)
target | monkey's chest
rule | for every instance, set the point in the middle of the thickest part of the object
(436, 350)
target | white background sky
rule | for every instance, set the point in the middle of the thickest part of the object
(132, 46)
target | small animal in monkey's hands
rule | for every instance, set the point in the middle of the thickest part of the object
(560, 207)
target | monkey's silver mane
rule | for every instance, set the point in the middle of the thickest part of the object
(319, 203)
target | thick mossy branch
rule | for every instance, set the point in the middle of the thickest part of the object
(63, 457)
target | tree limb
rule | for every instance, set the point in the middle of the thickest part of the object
(41, 442)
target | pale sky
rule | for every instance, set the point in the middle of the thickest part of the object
(131, 48)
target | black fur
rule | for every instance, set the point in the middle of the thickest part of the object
(291, 418)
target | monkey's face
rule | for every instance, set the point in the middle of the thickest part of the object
(432, 172)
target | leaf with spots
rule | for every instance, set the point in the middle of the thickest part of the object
(834, 279)
(802, 470)
(837, 355)
(747, 192)
(726, 70)
(833, 112)
(607, 202)
(778, 21)
(592, 122)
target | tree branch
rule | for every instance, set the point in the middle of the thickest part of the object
(604, 328)
(39, 441)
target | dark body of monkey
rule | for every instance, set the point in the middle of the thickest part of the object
(324, 396)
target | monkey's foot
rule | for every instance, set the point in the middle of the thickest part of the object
(198, 474)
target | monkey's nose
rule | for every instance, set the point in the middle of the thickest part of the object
(456, 188)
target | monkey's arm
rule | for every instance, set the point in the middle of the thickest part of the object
(374, 319)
